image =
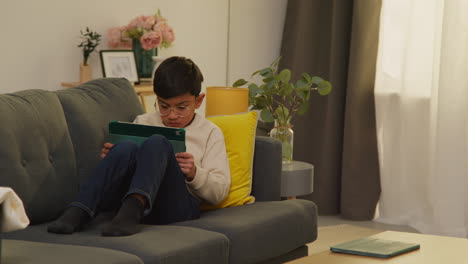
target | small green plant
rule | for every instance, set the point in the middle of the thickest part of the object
(90, 40)
(280, 99)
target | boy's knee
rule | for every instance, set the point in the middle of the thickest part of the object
(158, 142)
(125, 147)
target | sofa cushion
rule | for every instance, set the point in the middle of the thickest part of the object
(154, 244)
(89, 108)
(26, 252)
(239, 136)
(36, 155)
(263, 230)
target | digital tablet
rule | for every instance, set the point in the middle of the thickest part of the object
(374, 247)
(138, 133)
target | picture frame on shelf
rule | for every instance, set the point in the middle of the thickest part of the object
(119, 64)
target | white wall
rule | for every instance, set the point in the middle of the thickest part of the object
(255, 33)
(39, 38)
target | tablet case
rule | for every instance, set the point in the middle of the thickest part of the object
(138, 133)
(374, 247)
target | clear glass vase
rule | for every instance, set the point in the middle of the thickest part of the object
(144, 59)
(285, 134)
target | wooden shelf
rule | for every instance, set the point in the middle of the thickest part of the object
(143, 89)
(70, 84)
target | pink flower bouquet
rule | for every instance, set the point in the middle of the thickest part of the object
(151, 31)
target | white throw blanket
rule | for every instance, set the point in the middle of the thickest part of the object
(13, 216)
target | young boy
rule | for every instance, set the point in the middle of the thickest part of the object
(150, 184)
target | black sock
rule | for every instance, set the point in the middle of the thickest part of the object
(126, 221)
(72, 220)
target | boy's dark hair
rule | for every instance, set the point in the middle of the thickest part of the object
(176, 76)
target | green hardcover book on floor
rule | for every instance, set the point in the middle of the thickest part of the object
(374, 247)
(138, 133)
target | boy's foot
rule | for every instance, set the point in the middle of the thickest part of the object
(125, 223)
(72, 220)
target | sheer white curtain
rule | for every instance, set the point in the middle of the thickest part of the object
(422, 111)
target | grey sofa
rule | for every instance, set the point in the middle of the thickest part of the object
(50, 141)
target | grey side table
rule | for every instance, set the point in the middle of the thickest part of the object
(297, 178)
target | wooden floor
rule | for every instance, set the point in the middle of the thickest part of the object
(338, 220)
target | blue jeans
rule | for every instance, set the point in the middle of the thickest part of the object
(150, 170)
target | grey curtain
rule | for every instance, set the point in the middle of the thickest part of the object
(337, 40)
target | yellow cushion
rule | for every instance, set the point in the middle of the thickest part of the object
(239, 136)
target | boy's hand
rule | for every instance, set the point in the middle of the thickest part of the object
(106, 149)
(187, 165)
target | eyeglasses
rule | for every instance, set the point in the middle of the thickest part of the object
(180, 111)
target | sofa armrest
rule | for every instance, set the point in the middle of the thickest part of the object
(266, 185)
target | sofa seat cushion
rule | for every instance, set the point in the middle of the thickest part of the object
(154, 244)
(26, 252)
(256, 230)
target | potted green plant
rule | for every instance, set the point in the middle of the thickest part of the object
(279, 100)
(89, 41)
